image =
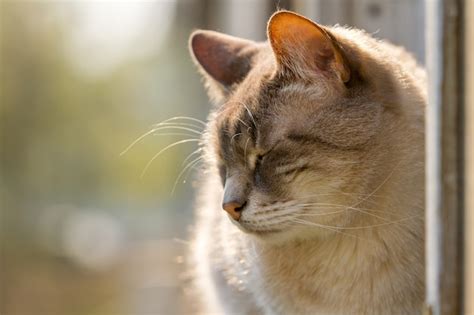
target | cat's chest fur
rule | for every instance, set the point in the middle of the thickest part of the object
(336, 277)
(331, 278)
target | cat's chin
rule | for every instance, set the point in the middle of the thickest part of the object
(249, 230)
(267, 235)
(284, 235)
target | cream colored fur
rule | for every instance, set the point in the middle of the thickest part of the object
(373, 264)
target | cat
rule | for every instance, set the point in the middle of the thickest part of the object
(312, 199)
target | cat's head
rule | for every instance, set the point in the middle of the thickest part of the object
(298, 121)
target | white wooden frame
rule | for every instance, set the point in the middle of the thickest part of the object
(445, 204)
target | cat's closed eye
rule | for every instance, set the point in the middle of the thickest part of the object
(259, 160)
(257, 172)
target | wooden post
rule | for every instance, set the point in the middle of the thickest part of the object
(469, 143)
(445, 157)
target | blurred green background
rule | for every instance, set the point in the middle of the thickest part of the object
(82, 232)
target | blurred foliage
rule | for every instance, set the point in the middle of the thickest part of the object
(61, 136)
(63, 122)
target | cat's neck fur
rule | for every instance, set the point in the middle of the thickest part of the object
(356, 264)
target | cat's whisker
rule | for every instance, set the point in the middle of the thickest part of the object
(171, 134)
(243, 123)
(339, 228)
(165, 149)
(321, 213)
(309, 207)
(153, 131)
(365, 196)
(366, 211)
(136, 141)
(408, 218)
(192, 168)
(192, 126)
(233, 139)
(251, 116)
(337, 193)
(197, 151)
(360, 196)
(323, 204)
(188, 166)
(329, 228)
(361, 210)
(277, 214)
(223, 109)
(380, 185)
(178, 127)
(185, 118)
(276, 206)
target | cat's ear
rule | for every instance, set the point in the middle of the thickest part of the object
(303, 45)
(222, 58)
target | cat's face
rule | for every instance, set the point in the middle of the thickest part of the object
(294, 130)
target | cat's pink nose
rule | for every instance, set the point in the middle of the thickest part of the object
(234, 209)
(234, 199)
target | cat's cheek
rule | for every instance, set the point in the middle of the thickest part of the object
(266, 183)
(313, 187)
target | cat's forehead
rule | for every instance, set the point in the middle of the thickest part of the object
(268, 105)
(258, 119)
(281, 104)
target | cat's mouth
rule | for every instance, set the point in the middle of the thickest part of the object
(250, 229)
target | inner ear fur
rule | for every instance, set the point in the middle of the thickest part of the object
(304, 46)
(225, 59)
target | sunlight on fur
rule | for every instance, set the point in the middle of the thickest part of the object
(315, 150)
